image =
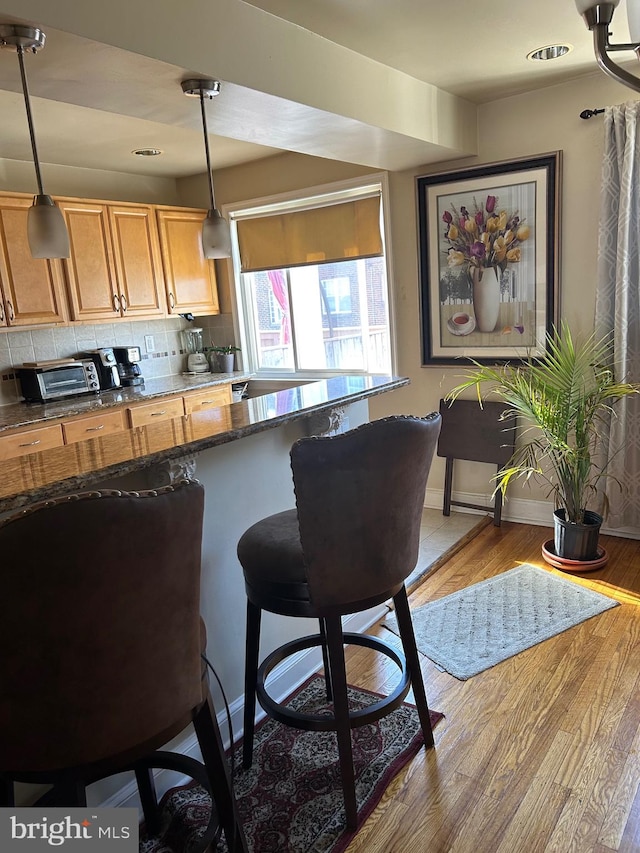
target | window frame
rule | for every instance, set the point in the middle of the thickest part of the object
(243, 320)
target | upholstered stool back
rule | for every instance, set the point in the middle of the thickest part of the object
(99, 625)
(359, 499)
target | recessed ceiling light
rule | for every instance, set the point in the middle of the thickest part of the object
(147, 152)
(552, 51)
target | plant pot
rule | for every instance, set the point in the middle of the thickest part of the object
(225, 362)
(575, 541)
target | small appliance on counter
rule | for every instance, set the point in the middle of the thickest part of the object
(127, 359)
(196, 357)
(43, 381)
(106, 366)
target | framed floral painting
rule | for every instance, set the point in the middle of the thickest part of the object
(489, 250)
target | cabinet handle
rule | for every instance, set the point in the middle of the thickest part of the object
(12, 316)
(31, 443)
(116, 303)
(172, 301)
(1, 312)
(123, 302)
(95, 429)
(155, 414)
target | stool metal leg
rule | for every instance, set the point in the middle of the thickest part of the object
(252, 650)
(215, 761)
(7, 796)
(341, 713)
(325, 660)
(148, 799)
(405, 626)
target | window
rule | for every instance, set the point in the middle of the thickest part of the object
(336, 295)
(303, 316)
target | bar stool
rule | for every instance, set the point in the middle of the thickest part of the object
(349, 545)
(100, 623)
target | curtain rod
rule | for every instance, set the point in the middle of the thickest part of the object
(590, 113)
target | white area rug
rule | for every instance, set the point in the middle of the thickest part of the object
(474, 629)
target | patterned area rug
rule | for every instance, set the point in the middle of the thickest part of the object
(474, 629)
(290, 800)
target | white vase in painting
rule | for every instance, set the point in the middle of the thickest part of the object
(485, 283)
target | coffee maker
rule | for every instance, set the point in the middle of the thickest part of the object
(106, 367)
(128, 359)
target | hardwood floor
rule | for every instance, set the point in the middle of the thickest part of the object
(541, 753)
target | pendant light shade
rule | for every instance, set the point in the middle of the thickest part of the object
(216, 235)
(46, 229)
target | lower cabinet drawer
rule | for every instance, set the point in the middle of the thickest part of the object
(93, 426)
(151, 413)
(30, 441)
(210, 398)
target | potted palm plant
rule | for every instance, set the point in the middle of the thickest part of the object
(563, 402)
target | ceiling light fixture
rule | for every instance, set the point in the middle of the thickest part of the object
(46, 229)
(216, 235)
(552, 51)
(598, 17)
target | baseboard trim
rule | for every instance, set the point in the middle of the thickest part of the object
(520, 510)
(288, 676)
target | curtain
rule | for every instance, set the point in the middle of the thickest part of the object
(279, 289)
(617, 309)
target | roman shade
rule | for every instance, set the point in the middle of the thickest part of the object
(320, 235)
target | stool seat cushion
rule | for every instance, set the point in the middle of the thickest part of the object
(270, 551)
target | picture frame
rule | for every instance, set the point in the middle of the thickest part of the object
(488, 239)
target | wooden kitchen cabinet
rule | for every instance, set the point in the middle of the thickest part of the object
(190, 278)
(136, 253)
(26, 441)
(94, 426)
(31, 289)
(208, 398)
(90, 271)
(162, 409)
(114, 269)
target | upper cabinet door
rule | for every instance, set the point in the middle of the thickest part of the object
(190, 278)
(31, 291)
(137, 260)
(90, 271)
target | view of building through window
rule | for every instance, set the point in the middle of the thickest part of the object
(326, 317)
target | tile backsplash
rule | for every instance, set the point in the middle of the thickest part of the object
(19, 345)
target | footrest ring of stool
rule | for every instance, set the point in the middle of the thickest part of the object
(324, 722)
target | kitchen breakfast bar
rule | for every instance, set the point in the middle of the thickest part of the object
(238, 451)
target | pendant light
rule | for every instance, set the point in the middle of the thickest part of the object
(216, 236)
(46, 229)
(598, 15)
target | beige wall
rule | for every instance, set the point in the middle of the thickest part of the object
(19, 176)
(527, 125)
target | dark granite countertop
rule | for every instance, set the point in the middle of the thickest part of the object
(242, 419)
(32, 414)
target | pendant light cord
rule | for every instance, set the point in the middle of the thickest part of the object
(25, 89)
(206, 149)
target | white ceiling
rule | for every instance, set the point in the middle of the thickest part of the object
(93, 103)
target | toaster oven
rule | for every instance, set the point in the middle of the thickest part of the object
(42, 382)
